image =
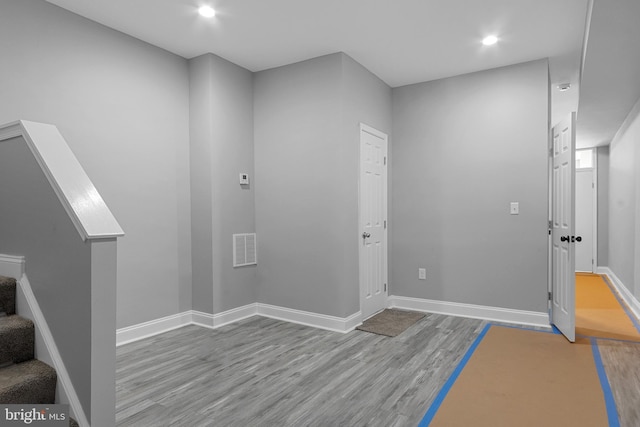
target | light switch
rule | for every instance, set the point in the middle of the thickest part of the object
(422, 273)
(515, 208)
(244, 179)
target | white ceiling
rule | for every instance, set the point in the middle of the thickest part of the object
(401, 41)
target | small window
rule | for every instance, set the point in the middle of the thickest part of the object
(584, 159)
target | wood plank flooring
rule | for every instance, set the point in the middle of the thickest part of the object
(264, 372)
(622, 364)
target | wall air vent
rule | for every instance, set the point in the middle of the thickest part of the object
(244, 249)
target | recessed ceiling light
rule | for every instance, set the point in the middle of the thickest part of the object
(489, 40)
(564, 87)
(207, 11)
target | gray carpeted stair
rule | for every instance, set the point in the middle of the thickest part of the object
(28, 382)
(23, 379)
(7, 295)
(17, 339)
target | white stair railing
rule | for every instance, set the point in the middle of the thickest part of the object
(93, 255)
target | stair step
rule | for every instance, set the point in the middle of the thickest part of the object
(28, 382)
(7, 295)
(17, 336)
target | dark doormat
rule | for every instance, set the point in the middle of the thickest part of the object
(390, 322)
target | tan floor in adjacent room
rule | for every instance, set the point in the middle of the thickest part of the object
(598, 311)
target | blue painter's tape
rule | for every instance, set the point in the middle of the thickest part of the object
(622, 303)
(606, 339)
(610, 403)
(431, 412)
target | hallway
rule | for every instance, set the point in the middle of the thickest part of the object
(600, 312)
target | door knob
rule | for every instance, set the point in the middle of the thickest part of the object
(564, 238)
(365, 235)
(576, 239)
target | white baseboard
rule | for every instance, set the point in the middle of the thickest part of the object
(323, 321)
(623, 291)
(226, 317)
(496, 314)
(45, 347)
(12, 266)
(316, 320)
(201, 319)
(151, 328)
(192, 317)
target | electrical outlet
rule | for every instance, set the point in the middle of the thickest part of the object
(422, 273)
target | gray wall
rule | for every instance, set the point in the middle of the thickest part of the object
(463, 149)
(624, 202)
(221, 148)
(35, 225)
(306, 118)
(602, 156)
(366, 99)
(201, 183)
(123, 107)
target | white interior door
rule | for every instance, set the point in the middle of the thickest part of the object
(563, 293)
(372, 234)
(585, 199)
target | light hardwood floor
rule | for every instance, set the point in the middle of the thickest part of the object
(264, 372)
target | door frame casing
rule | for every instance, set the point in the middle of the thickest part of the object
(594, 206)
(595, 209)
(550, 219)
(385, 199)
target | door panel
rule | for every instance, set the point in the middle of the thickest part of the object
(373, 214)
(562, 233)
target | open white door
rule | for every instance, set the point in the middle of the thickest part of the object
(373, 221)
(563, 293)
